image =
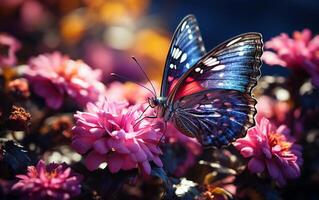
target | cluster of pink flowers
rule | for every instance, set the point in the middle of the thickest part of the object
(272, 149)
(8, 46)
(107, 132)
(53, 181)
(54, 77)
(299, 52)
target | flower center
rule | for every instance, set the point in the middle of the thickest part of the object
(68, 70)
(279, 139)
(52, 174)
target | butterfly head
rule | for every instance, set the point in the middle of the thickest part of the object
(153, 102)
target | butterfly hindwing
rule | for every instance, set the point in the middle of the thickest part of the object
(186, 49)
(215, 117)
(233, 65)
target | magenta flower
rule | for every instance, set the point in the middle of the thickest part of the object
(53, 77)
(272, 149)
(299, 52)
(106, 133)
(8, 48)
(53, 181)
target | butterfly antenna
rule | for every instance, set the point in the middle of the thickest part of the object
(141, 69)
(126, 79)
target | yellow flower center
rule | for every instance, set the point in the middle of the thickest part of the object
(52, 174)
(279, 139)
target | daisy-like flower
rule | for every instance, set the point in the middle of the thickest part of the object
(8, 48)
(107, 132)
(54, 77)
(53, 181)
(271, 149)
(301, 52)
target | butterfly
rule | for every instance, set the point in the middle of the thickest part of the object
(207, 95)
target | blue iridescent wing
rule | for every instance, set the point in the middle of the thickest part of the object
(212, 100)
(215, 117)
(233, 65)
(186, 49)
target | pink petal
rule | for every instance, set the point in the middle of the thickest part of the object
(146, 167)
(115, 162)
(247, 152)
(273, 169)
(266, 152)
(93, 160)
(132, 146)
(100, 146)
(119, 146)
(140, 156)
(256, 166)
(82, 144)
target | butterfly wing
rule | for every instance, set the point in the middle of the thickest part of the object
(215, 117)
(212, 101)
(234, 65)
(186, 49)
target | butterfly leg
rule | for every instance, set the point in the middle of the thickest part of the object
(146, 117)
(164, 131)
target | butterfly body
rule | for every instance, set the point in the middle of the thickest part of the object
(208, 95)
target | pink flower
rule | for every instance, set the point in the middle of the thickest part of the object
(272, 149)
(8, 46)
(299, 52)
(106, 133)
(53, 181)
(53, 77)
(192, 146)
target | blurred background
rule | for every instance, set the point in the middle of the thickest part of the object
(106, 33)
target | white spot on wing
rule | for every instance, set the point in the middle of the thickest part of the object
(187, 65)
(171, 66)
(216, 114)
(184, 57)
(190, 37)
(211, 61)
(183, 26)
(218, 67)
(197, 69)
(233, 41)
(176, 53)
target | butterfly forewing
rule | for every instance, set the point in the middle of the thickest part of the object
(234, 65)
(215, 117)
(186, 49)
